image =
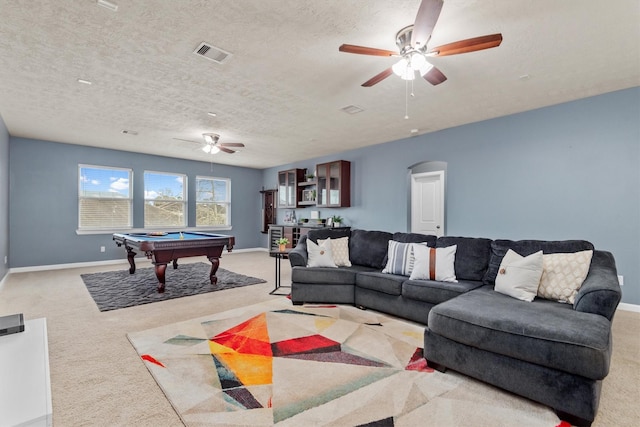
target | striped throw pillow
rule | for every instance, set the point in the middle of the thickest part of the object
(400, 258)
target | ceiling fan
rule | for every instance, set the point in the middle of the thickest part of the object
(213, 145)
(413, 47)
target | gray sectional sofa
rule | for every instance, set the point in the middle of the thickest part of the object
(550, 352)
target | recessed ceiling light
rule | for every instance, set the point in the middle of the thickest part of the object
(84, 82)
(524, 77)
(108, 5)
(212, 114)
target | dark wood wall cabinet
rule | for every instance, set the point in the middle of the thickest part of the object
(331, 187)
(268, 209)
(334, 184)
(289, 193)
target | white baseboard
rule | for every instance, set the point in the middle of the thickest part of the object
(4, 279)
(99, 263)
(629, 307)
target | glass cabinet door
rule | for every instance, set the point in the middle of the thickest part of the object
(282, 189)
(334, 184)
(291, 189)
(334, 180)
(321, 196)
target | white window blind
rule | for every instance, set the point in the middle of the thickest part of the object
(165, 199)
(213, 202)
(104, 198)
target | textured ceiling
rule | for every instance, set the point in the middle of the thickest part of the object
(282, 90)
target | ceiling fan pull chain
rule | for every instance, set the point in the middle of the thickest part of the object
(406, 99)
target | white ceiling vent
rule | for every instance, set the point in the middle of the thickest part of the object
(352, 109)
(211, 52)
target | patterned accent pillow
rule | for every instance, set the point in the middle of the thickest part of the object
(519, 276)
(399, 258)
(320, 255)
(434, 263)
(340, 250)
(563, 275)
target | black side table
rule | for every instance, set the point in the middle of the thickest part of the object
(279, 255)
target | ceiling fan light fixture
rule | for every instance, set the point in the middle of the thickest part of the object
(210, 138)
(207, 148)
(418, 61)
(214, 150)
(403, 69)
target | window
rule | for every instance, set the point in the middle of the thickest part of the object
(104, 198)
(165, 201)
(213, 202)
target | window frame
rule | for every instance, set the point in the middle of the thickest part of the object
(184, 201)
(226, 202)
(85, 229)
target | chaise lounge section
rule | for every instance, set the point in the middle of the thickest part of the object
(551, 352)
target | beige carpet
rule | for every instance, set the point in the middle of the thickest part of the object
(98, 379)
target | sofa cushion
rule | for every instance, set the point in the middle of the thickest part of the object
(563, 275)
(434, 292)
(472, 255)
(369, 248)
(324, 233)
(381, 282)
(543, 332)
(429, 239)
(322, 275)
(526, 247)
(519, 276)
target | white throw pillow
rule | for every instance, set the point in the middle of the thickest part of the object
(320, 255)
(340, 250)
(563, 275)
(519, 276)
(434, 263)
(400, 258)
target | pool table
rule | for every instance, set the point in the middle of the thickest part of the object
(162, 248)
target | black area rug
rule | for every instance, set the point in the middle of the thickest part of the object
(118, 289)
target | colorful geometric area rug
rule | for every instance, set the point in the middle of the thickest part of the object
(278, 364)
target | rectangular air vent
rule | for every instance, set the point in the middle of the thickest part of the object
(352, 109)
(211, 52)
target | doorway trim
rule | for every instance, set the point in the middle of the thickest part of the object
(427, 167)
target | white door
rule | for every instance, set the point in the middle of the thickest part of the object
(427, 203)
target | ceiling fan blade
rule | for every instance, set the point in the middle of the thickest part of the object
(362, 50)
(231, 144)
(468, 45)
(378, 78)
(226, 150)
(188, 140)
(435, 76)
(426, 19)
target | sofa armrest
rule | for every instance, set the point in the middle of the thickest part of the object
(600, 293)
(298, 256)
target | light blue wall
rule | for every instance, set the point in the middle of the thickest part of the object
(4, 198)
(570, 171)
(43, 207)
